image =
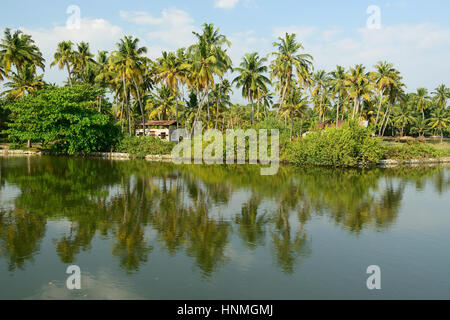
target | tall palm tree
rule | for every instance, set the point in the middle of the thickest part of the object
(82, 57)
(287, 61)
(221, 99)
(385, 77)
(320, 84)
(64, 58)
(441, 95)
(172, 70)
(251, 78)
(208, 58)
(359, 86)
(338, 88)
(24, 82)
(422, 100)
(18, 49)
(126, 63)
(295, 107)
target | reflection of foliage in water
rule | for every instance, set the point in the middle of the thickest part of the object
(127, 200)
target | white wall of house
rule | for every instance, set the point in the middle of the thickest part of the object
(163, 134)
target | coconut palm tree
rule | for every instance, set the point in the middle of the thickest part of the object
(422, 100)
(208, 58)
(441, 95)
(220, 98)
(402, 117)
(127, 64)
(419, 126)
(64, 58)
(338, 88)
(287, 61)
(385, 77)
(251, 78)
(295, 107)
(319, 92)
(439, 120)
(359, 86)
(24, 82)
(172, 70)
(18, 49)
(162, 104)
(82, 57)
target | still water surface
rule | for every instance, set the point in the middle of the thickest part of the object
(143, 230)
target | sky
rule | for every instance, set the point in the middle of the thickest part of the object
(413, 35)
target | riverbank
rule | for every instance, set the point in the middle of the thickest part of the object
(388, 163)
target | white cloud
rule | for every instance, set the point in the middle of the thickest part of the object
(226, 4)
(173, 28)
(419, 51)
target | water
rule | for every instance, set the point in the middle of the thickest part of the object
(143, 230)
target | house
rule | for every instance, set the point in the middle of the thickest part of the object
(162, 129)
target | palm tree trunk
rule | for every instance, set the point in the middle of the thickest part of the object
(125, 95)
(140, 104)
(253, 108)
(337, 113)
(70, 74)
(292, 126)
(379, 109)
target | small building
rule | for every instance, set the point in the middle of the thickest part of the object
(162, 129)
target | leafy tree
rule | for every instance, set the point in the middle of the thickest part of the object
(65, 117)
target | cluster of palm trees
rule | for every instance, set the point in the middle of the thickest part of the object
(195, 84)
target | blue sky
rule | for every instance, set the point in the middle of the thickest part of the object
(414, 35)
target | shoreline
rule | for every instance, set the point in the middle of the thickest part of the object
(388, 163)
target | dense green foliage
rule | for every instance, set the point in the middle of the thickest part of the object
(347, 146)
(64, 117)
(414, 150)
(142, 146)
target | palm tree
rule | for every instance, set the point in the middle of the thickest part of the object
(220, 97)
(441, 95)
(419, 126)
(18, 49)
(396, 95)
(172, 70)
(386, 77)
(439, 120)
(127, 65)
(422, 100)
(208, 59)
(319, 92)
(251, 78)
(295, 106)
(162, 104)
(338, 88)
(359, 86)
(82, 57)
(24, 82)
(63, 57)
(287, 60)
(402, 117)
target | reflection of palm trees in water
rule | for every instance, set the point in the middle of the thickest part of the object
(178, 202)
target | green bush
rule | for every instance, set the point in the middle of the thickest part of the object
(17, 146)
(142, 146)
(412, 150)
(65, 117)
(347, 146)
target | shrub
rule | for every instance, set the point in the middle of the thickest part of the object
(142, 146)
(412, 150)
(347, 146)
